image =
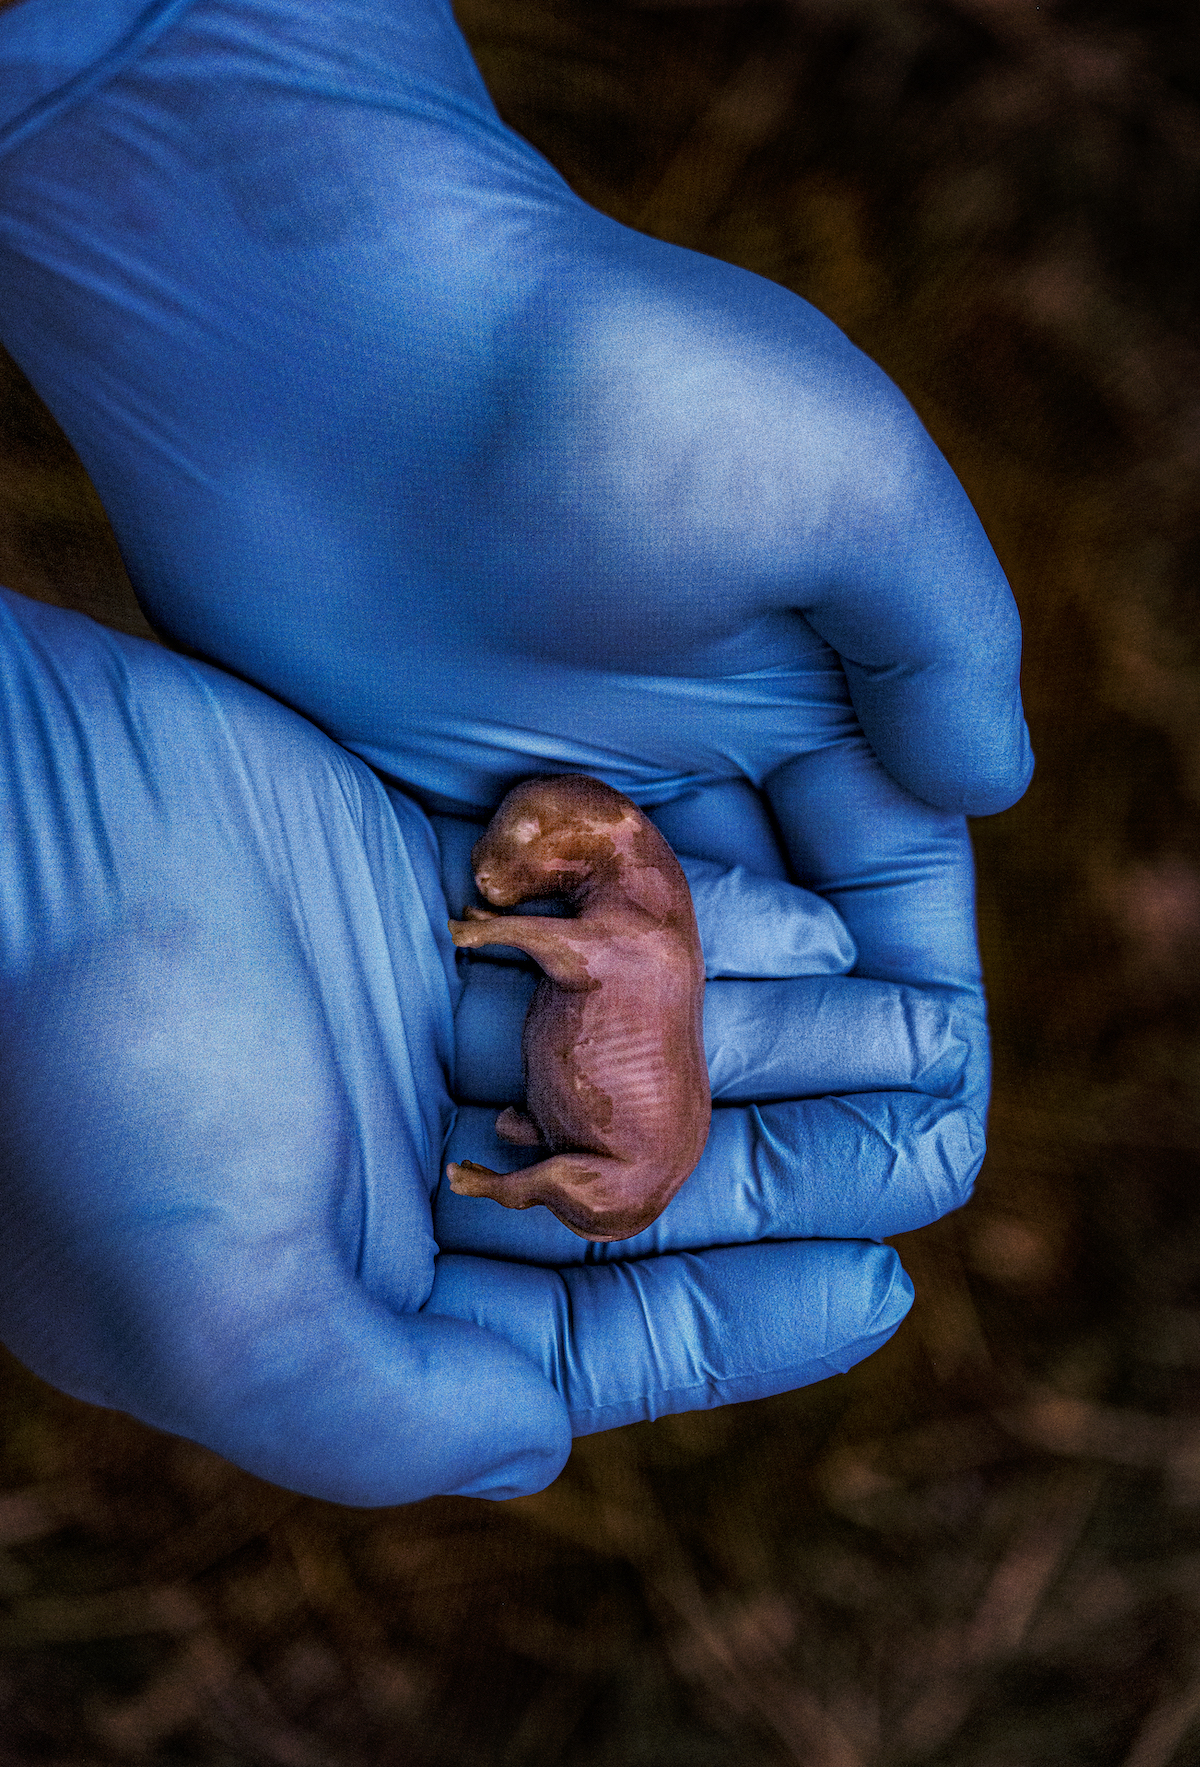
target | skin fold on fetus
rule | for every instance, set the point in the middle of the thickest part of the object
(616, 1083)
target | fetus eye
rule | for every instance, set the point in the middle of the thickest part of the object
(526, 830)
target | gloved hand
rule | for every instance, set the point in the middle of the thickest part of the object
(390, 423)
(226, 992)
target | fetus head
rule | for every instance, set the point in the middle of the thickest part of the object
(553, 837)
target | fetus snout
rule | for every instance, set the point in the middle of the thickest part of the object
(493, 886)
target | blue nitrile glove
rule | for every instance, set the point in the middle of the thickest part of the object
(226, 998)
(391, 423)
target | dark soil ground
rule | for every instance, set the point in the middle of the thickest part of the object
(981, 1548)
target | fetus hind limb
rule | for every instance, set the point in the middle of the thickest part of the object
(616, 1207)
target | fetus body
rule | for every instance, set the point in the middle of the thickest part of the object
(616, 1082)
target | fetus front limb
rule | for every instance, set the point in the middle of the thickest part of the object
(561, 947)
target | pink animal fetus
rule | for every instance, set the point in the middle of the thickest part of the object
(616, 1082)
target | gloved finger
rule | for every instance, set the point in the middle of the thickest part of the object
(727, 824)
(864, 1166)
(752, 925)
(488, 1024)
(763, 1040)
(627, 1341)
(900, 874)
(777, 1040)
(915, 603)
(455, 836)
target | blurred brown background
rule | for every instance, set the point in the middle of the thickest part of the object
(982, 1548)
